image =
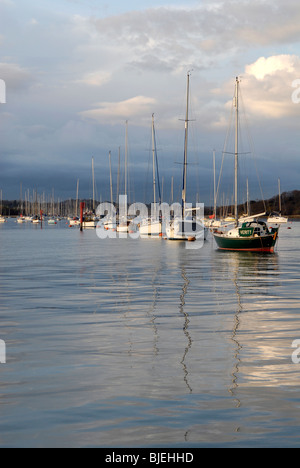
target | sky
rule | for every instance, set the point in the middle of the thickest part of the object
(77, 70)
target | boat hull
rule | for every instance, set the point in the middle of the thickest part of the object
(279, 220)
(123, 228)
(186, 230)
(89, 224)
(253, 244)
(152, 229)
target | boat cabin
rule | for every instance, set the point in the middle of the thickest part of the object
(250, 229)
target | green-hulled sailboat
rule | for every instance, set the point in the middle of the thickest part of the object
(249, 234)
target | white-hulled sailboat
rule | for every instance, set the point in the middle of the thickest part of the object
(152, 227)
(186, 227)
(277, 218)
(89, 220)
(123, 223)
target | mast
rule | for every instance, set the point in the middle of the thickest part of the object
(156, 177)
(118, 181)
(110, 174)
(77, 193)
(126, 156)
(184, 188)
(236, 150)
(93, 185)
(21, 199)
(279, 188)
(215, 195)
(153, 152)
(2, 101)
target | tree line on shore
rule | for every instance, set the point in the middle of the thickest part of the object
(290, 206)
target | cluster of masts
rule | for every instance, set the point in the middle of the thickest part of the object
(248, 233)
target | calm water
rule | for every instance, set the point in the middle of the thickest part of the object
(123, 343)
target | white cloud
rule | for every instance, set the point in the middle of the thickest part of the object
(97, 78)
(270, 66)
(268, 86)
(113, 112)
(267, 92)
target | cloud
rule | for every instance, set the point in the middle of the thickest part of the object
(168, 39)
(269, 22)
(113, 112)
(267, 90)
(75, 68)
(268, 86)
(270, 66)
(176, 38)
(15, 76)
(97, 78)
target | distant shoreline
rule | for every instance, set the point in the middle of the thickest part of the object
(290, 206)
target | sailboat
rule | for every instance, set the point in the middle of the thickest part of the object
(251, 234)
(277, 218)
(110, 223)
(152, 227)
(186, 227)
(21, 219)
(90, 221)
(123, 225)
(213, 221)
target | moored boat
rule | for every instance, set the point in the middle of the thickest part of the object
(277, 218)
(186, 227)
(89, 222)
(153, 226)
(253, 236)
(249, 234)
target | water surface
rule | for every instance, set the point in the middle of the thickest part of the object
(143, 343)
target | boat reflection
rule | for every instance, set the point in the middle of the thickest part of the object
(263, 326)
(184, 313)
